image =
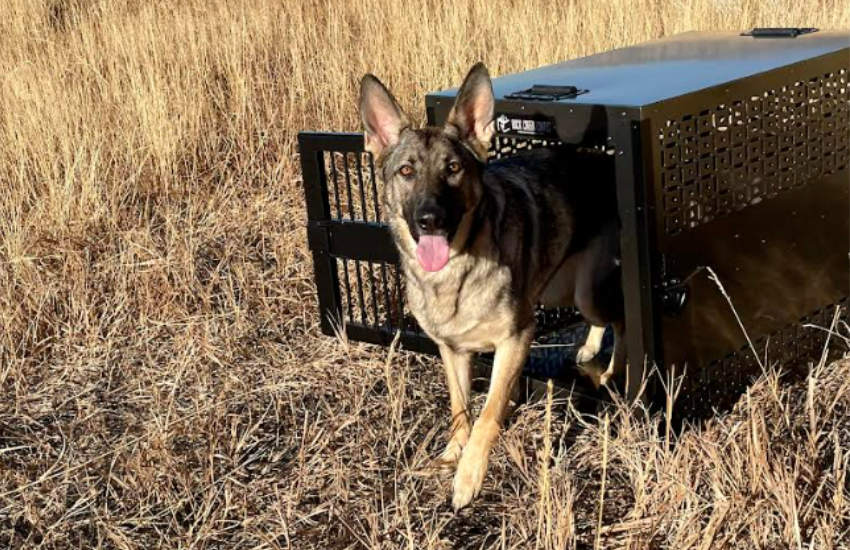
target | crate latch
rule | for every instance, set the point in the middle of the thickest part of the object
(779, 32)
(545, 92)
(674, 296)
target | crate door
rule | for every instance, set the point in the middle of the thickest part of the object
(359, 286)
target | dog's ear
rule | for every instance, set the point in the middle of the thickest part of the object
(472, 113)
(382, 116)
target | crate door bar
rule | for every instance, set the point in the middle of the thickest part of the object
(312, 147)
(637, 250)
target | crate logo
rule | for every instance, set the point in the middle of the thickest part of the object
(524, 126)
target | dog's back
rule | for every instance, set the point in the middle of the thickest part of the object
(549, 204)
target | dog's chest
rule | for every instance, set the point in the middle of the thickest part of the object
(466, 305)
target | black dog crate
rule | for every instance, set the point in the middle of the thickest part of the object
(730, 152)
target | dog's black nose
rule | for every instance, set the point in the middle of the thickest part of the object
(430, 219)
(427, 222)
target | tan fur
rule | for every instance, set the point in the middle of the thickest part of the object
(510, 357)
(458, 367)
(486, 321)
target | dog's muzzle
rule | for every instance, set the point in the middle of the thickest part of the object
(430, 219)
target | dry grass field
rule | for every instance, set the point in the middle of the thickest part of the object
(163, 382)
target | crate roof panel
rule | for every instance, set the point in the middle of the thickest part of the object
(652, 72)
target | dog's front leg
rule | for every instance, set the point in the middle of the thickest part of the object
(507, 366)
(458, 367)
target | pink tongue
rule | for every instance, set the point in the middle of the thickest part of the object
(433, 252)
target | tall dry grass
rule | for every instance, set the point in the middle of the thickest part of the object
(162, 380)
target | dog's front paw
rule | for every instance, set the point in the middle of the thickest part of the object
(586, 353)
(469, 477)
(451, 454)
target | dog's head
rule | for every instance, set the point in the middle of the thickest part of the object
(432, 176)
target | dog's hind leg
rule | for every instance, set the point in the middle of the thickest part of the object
(618, 357)
(599, 298)
(592, 345)
(458, 368)
(507, 366)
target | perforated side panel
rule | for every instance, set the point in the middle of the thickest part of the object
(719, 384)
(508, 146)
(735, 155)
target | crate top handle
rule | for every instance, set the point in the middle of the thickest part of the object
(779, 32)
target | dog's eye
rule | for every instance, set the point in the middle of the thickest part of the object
(454, 167)
(406, 171)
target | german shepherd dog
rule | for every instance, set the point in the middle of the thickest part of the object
(481, 244)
